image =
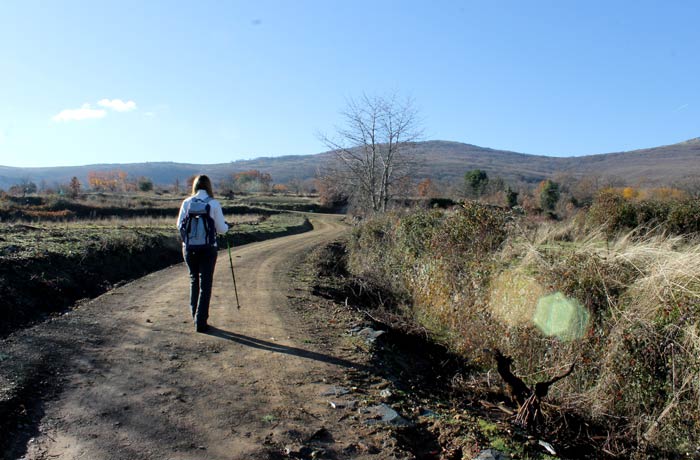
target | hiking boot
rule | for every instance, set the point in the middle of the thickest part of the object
(202, 327)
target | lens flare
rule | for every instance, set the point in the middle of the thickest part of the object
(562, 317)
(514, 296)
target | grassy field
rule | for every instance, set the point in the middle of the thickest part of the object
(37, 239)
(46, 266)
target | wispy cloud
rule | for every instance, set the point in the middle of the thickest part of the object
(87, 112)
(117, 105)
(678, 109)
(83, 113)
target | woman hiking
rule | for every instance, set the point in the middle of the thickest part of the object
(200, 219)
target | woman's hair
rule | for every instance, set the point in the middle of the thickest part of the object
(202, 182)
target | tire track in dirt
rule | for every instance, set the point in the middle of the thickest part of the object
(149, 387)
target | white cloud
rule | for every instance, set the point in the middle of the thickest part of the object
(118, 105)
(87, 112)
(83, 113)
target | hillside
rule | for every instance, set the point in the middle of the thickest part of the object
(659, 165)
(439, 160)
(282, 170)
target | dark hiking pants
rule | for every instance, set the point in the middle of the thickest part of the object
(201, 263)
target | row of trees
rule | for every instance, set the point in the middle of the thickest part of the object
(560, 194)
(99, 181)
(117, 181)
(26, 187)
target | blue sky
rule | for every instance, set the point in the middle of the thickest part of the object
(208, 82)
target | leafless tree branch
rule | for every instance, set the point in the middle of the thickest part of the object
(372, 148)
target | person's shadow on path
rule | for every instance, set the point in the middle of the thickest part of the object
(277, 348)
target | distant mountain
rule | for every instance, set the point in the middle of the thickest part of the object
(665, 165)
(442, 160)
(282, 169)
(660, 165)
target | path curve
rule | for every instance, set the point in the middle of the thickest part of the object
(149, 387)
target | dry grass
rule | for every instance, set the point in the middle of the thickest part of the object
(638, 368)
(149, 221)
(640, 359)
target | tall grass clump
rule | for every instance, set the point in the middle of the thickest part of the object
(476, 278)
(650, 373)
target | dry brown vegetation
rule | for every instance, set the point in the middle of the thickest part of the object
(473, 279)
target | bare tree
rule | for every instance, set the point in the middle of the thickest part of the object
(371, 148)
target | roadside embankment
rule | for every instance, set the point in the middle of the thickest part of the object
(623, 306)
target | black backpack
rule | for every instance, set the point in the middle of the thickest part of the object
(198, 229)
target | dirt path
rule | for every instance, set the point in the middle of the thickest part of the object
(143, 385)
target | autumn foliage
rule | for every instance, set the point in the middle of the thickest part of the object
(112, 181)
(246, 181)
(280, 188)
(253, 175)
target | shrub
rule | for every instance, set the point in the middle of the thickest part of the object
(416, 230)
(372, 249)
(549, 194)
(145, 184)
(472, 231)
(652, 213)
(662, 212)
(442, 203)
(439, 259)
(475, 182)
(591, 278)
(474, 281)
(611, 211)
(684, 217)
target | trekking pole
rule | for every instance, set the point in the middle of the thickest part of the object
(230, 259)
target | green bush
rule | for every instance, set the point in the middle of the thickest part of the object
(613, 212)
(472, 231)
(415, 231)
(684, 217)
(616, 213)
(651, 213)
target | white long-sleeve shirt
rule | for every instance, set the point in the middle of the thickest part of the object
(215, 212)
